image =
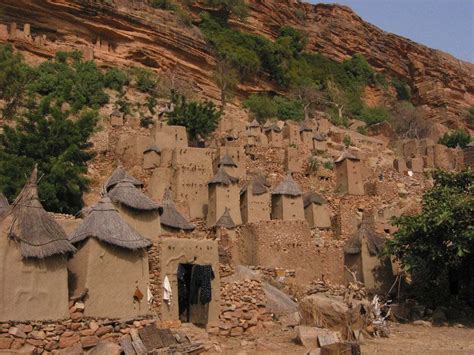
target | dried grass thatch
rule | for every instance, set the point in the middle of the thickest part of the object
(375, 241)
(259, 186)
(254, 124)
(125, 193)
(105, 223)
(274, 127)
(119, 175)
(287, 187)
(171, 217)
(312, 197)
(305, 128)
(4, 205)
(226, 221)
(319, 137)
(153, 148)
(37, 232)
(223, 178)
(346, 155)
(227, 161)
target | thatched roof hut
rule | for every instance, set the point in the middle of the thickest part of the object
(226, 221)
(227, 161)
(259, 186)
(4, 205)
(375, 241)
(287, 187)
(223, 178)
(312, 197)
(105, 223)
(127, 194)
(119, 175)
(38, 234)
(346, 155)
(170, 217)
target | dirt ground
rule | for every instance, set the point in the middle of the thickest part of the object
(404, 339)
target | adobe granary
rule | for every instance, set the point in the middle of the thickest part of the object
(306, 134)
(171, 219)
(180, 260)
(228, 163)
(320, 142)
(287, 201)
(291, 133)
(361, 257)
(137, 209)
(110, 268)
(119, 175)
(116, 118)
(33, 261)
(254, 128)
(316, 210)
(255, 201)
(151, 157)
(274, 135)
(349, 174)
(170, 136)
(468, 153)
(223, 193)
(233, 159)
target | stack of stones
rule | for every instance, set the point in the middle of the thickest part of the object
(243, 309)
(45, 337)
(155, 285)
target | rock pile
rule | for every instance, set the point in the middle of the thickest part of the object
(352, 291)
(243, 309)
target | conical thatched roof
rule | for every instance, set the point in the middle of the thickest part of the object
(227, 161)
(254, 124)
(226, 220)
(170, 216)
(312, 197)
(37, 232)
(259, 186)
(3, 204)
(346, 155)
(116, 113)
(120, 174)
(127, 194)
(287, 187)
(375, 241)
(319, 137)
(223, 178)
(153, 148)
(305, 128)
(105, 223)
(274, 127)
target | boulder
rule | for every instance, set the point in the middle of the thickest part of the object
(106, 348)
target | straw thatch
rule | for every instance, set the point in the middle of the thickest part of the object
(375, 241)
(254, 124)
(171, 217)
(116, 113)
(4, 205)
(346, 155)
(259, 186)
(127, 194)
(153, 148)
(274, 127)
(312, 197)
(105, 223)
(120, 175)
(305, 128)
(37, 232)
(226, 221)
(227, 161)
(223, 178)
(287, 187)
(319, 137)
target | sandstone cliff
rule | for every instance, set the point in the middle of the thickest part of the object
(129, 32)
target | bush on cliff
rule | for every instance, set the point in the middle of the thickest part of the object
(458, 137)
(264, 107)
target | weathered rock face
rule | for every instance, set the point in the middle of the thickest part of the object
(129, 32)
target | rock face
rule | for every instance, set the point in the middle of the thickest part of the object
(129, 32)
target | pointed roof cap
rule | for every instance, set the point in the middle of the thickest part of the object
(312, 197)
(273, 127)
(116, 113)
(105, 223)
(254, 124)
(170, 217)
(38, 234)
(127, 194)
(346, 155)
(287, 187)
(226, 220)
(227, 161)
(259, 186)
(4, 205)
(319, 137)
(375, 241)
(305, 128)
(223, 178)
(153, 148)
(120, 174)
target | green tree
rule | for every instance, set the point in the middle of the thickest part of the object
(374, 115)
(46, 136)
(199, 118)
(437, 246)
(458, 137)
(226, 79)
(261, 106)
(226, 8)
(115, 79)
(402, 89)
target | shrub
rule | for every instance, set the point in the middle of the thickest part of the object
(403, 90)
(436, 246)
(452, 140)
(261, 107)
(347, 141)
(374, 115)
(470, 115)
(115, 79)
(288, 109)
(145, 80)
(164, 4)
(145, 121)
(199, 118)
(328, 165)
(48, 137)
